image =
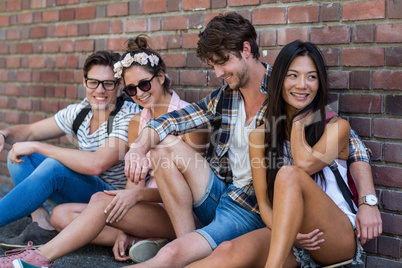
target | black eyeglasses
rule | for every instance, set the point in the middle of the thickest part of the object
(107, 84)
(144, 85)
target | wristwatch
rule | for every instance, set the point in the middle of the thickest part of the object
(369, 199)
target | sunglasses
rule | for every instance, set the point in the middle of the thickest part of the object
(144, 85)
(107, 84)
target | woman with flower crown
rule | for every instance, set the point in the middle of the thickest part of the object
(123, 218)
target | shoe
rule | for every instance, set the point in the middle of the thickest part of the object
(22, 264)
(146, 249)
(32, 232)
(28, 254)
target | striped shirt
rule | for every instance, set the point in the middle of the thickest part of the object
(199, 115)
(91, 142)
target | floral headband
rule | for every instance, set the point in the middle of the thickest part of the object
(141, 58)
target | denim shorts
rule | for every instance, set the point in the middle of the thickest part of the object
(223, 218)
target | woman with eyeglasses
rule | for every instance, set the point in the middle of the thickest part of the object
(125, 218)
(42, 171)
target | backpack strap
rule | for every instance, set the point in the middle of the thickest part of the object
(83, 113)
(346, 192)
(217, 123)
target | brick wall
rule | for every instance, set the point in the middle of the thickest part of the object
(43, 44)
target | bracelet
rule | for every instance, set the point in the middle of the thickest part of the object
(4, 135)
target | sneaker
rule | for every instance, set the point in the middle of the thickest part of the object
(22, 264)
(146, 249)
(28, 254)
(32, 232)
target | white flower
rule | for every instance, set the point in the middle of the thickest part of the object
(153, 59)
(141, 58)
(126, 62)
(118, 69)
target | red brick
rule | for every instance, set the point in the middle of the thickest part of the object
(190, 40)
(392, 224)
(387, 80)
(4, 20)
(393, 152)
(36, 62)
(267, 37)
(71, 92)
(12, 117)
(303, 14)
(195, 21)
(362, 126)
(175, 23)
(159, 42)
(50, 106)
(67, 14)
(174, 76)
(49, 16)
(387, 128)
(371, 104)
(60, 91)
(13, 34)
(287, 35)
(193, 61)
(393, 56)
(213, 81)
(38, 32)
(72, 61)
(118, 9)
(393, 104)
(338, 79)
(153, 6)
(84, 45)
(155, 24)
(99, 27)
(12, 90)
(195, 4)
(389, 246)
(269, 16)
(25, 18)
(363, 33)
(14, 5)
(331, 35)
(24, 104)
(376, 149)
(210, 15)
(116, 44)
(174, 41)
(175, 60)
(51, 46)
(193, 78)
(83, 13)
(192, 95)
(394, 9)
(61, 30)
(366, 10)
(38, 4)
(13, 62)
(23, 76)
(389, 33)
(66, 46)
(83, 29)
(60, 61)
(331, 56)
(72, 30)
(387, 176)
(174, 5)
(117, 27)
(392, 200)
(49, 76)
(330, 12)
(135, 25)
(360, 80)
(369, 56)
(269, 56)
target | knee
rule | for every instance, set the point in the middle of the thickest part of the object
(288, 176)
(98, 198)
(62, 215)
(168, 254)
(223, 253)
(165, 146)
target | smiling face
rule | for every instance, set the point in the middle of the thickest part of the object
(234, 71)
(99, 98)
(134, 75)
(301, 83)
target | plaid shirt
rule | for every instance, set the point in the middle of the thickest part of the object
(201, 114)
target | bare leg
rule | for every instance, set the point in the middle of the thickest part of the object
(182, 177)
(143, 220)
(180, 252)
(249, 250)
(64, 214)
(41, 216)
(301, 206)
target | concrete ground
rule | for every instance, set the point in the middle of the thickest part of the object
(89, 256)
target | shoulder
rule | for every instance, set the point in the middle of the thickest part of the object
(257, 136)
(341, 124)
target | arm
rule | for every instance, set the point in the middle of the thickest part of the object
(84, 162)
(258, 170)
(368, 219)
(332, 144)
(41, 130)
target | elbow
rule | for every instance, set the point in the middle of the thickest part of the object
(96, 169)
(305, 165)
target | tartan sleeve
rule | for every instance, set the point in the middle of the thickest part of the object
(357, 150)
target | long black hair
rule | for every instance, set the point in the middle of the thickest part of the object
(275, 138)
